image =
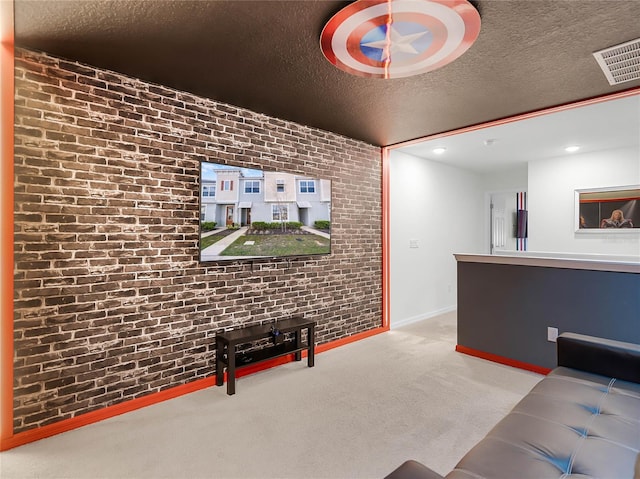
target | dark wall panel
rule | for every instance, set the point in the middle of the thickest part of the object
(506, 309)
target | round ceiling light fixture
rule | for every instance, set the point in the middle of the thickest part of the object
(399, 38)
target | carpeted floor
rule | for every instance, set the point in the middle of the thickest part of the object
(360, 412)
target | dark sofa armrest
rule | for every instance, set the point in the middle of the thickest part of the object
(413, 470)
(614, 359)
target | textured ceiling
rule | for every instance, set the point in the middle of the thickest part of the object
(265, 56)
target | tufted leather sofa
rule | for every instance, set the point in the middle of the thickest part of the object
(581, 421)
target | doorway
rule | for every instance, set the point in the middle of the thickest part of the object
(229, 215)
(245, 217)
(303, 215)
(503, 222)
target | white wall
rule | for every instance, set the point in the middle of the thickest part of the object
(446, 209)
(552, 185)
(440, 207)
(511, 179)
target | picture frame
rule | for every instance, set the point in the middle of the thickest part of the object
(608, 210)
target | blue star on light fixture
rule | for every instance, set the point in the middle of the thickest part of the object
(396, 43)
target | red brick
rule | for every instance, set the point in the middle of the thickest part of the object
(135, 313)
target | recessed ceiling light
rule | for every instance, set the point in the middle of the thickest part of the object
(572, 149)
(440, 150)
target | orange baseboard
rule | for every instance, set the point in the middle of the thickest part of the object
(95, 416)
(350, 339)
(65, 425)
(502, 360)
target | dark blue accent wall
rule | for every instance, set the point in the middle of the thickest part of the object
(506, 309)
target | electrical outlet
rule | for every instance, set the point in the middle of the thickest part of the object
(552, 334)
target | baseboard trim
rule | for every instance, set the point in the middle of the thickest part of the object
(65, 425)
(351, 339)
(502, 360)
(422, 317)
(92, 417)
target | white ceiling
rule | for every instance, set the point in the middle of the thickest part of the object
(594, 127)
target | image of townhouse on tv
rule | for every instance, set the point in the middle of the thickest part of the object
(249, 214)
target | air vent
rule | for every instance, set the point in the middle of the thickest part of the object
(620, 63)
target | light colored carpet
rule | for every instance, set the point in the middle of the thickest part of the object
(359, 413)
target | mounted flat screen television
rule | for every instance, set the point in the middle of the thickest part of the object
(248, 213)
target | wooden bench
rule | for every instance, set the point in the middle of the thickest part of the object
(228, 342)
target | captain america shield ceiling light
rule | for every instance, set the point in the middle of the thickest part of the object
(399, 38)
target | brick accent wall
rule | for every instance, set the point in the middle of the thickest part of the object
(111, 303)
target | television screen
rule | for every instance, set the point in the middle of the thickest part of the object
(250, 214)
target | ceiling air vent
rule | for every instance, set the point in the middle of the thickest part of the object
(620, 63)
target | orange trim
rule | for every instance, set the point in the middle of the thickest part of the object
(502, 360)
(6, 221)
(350, 339)
(524, 116)
(95, 416)
(386, 271)
(321, 348)
(128, 406)
(609, 200)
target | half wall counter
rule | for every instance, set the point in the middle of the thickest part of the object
(506, 303)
